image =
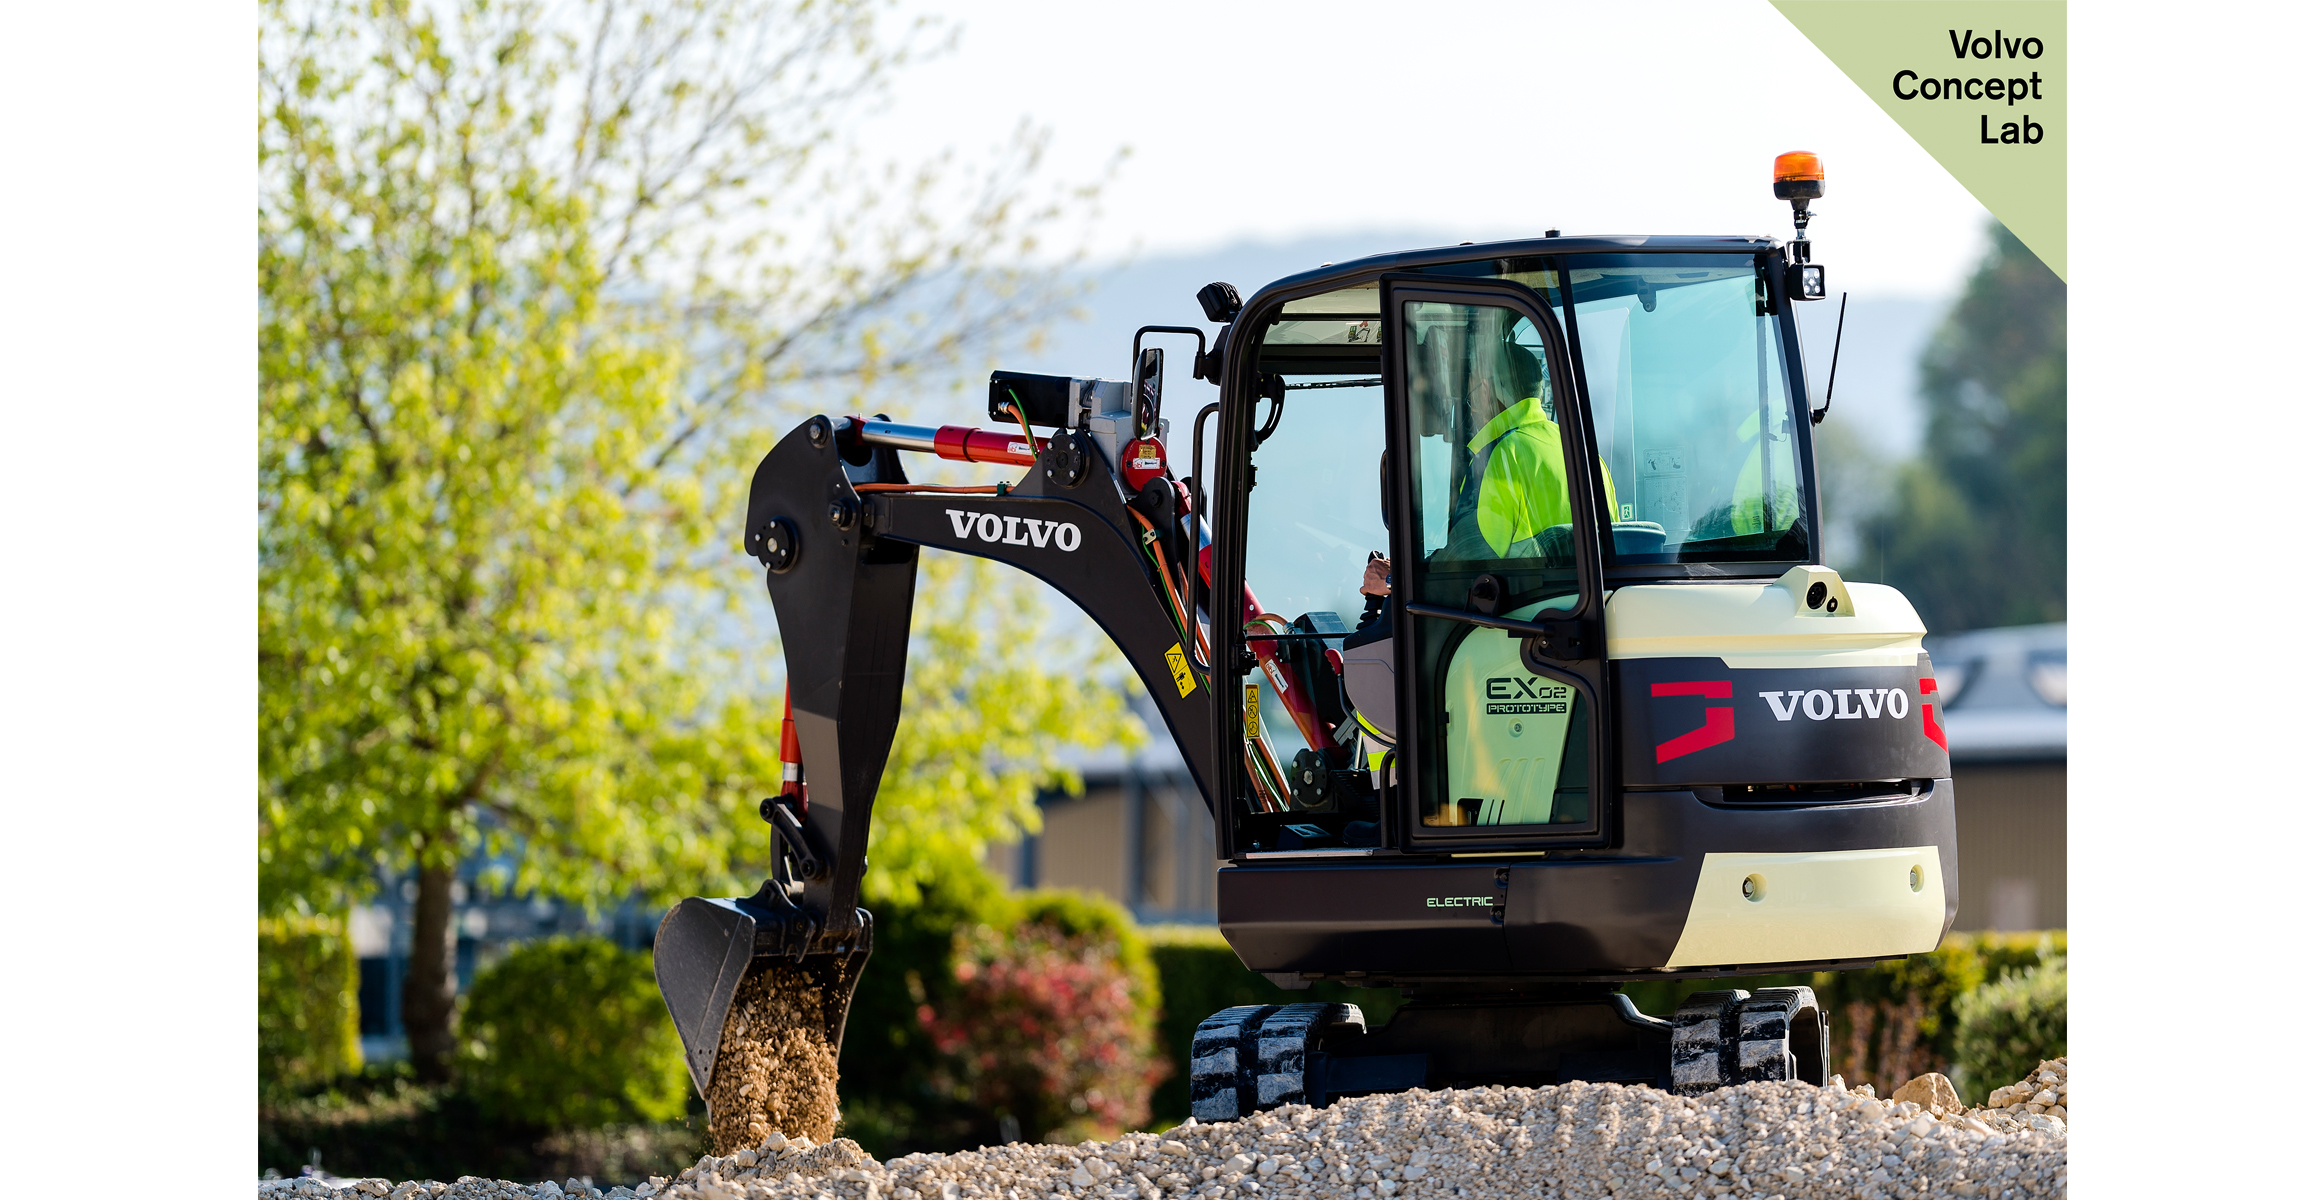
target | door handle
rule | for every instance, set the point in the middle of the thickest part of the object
(1571, 640)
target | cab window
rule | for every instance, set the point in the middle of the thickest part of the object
(1314, 520)
(1492, 494)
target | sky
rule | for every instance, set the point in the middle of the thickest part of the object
(1258, 123)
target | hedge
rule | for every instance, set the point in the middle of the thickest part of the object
(308, 1030)
(384, 1123)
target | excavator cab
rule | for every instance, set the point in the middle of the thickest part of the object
(1512, 401)
(1608, 719)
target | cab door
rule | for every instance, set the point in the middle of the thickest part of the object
(1500, 513)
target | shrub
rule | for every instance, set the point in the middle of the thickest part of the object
(385, 1122)
(1050, 1020)
(888, 1100)
(2009, 1024)
(1080, 914)
(307, 1018)
(571, 1033)
(2003, 952)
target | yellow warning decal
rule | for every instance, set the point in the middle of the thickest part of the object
(1251, 710)
(1179, 671)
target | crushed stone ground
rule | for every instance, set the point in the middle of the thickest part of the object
(776, 1072)
(1574, 1141)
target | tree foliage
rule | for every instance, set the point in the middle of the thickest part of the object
(1974, 531)
(531, 283)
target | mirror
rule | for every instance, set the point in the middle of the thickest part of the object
(1149, 389)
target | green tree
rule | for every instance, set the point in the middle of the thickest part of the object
(529, 280)
(1974, 530)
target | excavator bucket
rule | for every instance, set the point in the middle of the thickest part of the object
(759, 1012)
(701, 952)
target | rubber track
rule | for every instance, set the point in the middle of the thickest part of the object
(1222, 1070)
(1285, 1041)
(1702, 1043)
(1763, 1034)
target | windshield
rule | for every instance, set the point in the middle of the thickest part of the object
(1688, 388)
(1688, 391)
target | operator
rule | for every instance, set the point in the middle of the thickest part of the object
(1513, 493)
(1515, 488)
(1752, 504)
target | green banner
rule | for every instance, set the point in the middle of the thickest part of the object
(1980, 84)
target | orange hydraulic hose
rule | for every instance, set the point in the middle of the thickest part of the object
(1170, 589)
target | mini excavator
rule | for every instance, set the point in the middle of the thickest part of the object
(1600, 716)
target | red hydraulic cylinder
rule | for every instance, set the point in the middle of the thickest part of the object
(965, 443)
(959, 443)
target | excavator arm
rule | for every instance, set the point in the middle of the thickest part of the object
(838, 527)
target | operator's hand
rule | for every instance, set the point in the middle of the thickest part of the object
(1375, 577)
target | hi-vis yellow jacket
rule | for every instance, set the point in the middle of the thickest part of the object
(1521, 489)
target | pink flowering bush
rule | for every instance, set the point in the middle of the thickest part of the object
(1054, 1029)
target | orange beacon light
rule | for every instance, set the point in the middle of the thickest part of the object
(1799, 175)
(1799, 178)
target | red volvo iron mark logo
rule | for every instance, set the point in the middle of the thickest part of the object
(1718, 719)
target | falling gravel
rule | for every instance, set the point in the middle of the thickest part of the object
(776, 1071)
(1760, 1141)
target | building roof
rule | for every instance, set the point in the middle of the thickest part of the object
(2004, 692)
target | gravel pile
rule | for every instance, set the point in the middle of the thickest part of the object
(2036, 1102)
(1767, 1141)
